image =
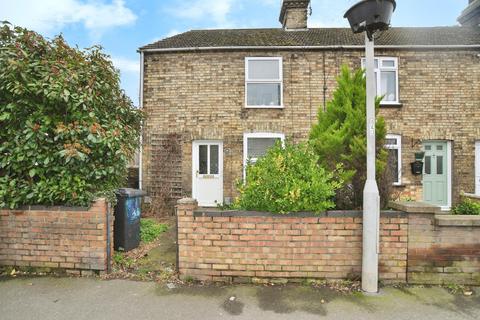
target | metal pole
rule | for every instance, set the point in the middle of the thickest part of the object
(371, 197)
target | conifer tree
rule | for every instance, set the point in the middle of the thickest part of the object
(339, 136)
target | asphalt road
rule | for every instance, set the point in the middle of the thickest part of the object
(89, 299)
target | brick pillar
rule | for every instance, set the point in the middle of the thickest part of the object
(186, 206)
(185, 220)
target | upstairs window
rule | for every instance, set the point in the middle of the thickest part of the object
(386, 79)
(393, 143)
(263, 82)
(256, 145)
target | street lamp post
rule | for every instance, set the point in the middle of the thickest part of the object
(370, 16)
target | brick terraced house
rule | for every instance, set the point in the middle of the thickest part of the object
(216, 99)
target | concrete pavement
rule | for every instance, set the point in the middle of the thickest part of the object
(89, 299)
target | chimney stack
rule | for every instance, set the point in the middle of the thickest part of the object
(294, 14)
(471, 15)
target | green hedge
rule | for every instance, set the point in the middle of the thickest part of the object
(67, 129)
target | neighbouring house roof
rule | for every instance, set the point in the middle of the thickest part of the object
(316, 37)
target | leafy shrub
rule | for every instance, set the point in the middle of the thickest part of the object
(67, 129)
(339, 136)
(288, 179)
(467, 207)
(150, 230)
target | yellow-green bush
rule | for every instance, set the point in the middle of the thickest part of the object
(288, 179)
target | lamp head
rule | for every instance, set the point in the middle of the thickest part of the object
(370, 16)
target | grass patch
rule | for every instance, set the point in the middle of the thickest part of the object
(150, 230)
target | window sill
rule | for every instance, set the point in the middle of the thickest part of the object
(391, 105)
(399, 185)
(264, 107)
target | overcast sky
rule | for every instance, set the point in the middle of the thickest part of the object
(121, 26)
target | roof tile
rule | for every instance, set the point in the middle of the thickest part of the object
(317, 37)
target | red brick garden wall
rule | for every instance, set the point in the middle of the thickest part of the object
(444, 249)
(232, 246)
(74, 239)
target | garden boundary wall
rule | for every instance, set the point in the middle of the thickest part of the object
(416, 245)
(76, 239)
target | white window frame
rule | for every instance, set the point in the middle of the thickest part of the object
(397, 147)
(378, 77)
(279, 80)
(246, 136)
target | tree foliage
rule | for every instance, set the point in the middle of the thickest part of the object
(67, 130)
(339, 136)
(288, 179)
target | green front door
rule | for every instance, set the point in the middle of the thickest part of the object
(435, 175)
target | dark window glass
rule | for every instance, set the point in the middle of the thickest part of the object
(439, 164)
(258, 147)
(264, 94)
(214, 159)
(393, 163)
(203, 159)
(428, 164)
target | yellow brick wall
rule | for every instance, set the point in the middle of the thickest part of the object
(200, 95)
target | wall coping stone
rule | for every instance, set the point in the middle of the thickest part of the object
(457, 221)
(188, 201)
(209, 212)
(414, 207)
(52, 208)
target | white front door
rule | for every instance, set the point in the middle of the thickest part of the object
(207, 173)
(477, 168)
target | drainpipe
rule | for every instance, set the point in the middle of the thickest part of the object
(109, 240)
(140, 100)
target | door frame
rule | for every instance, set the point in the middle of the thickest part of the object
(449, 172)
(195, 144)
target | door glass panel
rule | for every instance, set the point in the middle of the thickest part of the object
(439, 148)
(214, 159)
(439, 164)
(388, 85)
(428, 164)
(203, 159)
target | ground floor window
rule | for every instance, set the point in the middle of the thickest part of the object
(256, 145)
(393, 144)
